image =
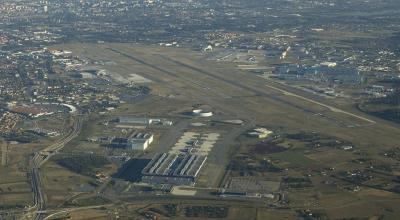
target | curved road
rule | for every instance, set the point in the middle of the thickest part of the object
(38, 160)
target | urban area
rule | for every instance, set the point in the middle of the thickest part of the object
(200, 109)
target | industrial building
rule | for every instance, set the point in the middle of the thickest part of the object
(173, 169)
(202, 113)
(143, 121)
(139, 141)
(260, 133)
(133, 120)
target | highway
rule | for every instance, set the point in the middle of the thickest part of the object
(37, 161)
(152, 199)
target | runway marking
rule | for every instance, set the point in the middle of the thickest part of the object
(333, 109)
(181, 76)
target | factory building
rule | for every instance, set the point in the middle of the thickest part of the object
(139, 141)
(173, 169)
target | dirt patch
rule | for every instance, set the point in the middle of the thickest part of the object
(266, 147)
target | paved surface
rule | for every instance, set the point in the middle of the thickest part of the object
(214, 95)
(37, 211)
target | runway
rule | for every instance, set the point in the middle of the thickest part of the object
(333, 109)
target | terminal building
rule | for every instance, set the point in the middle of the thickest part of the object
(173, 169)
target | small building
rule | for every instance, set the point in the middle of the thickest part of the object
(329, 64)
(260, 133)
(209, 48)
(202, 113)
(347, 147)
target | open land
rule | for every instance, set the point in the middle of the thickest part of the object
(181, 77)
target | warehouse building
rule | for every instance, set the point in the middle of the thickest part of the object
(173, 169)
(133, 120)
(139, 141)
